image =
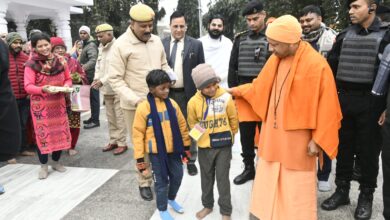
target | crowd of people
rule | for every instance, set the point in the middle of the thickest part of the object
(299, 93)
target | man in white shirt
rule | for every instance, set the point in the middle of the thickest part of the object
(217, 48)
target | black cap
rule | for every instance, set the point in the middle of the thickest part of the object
(252, 7)
(382, 10)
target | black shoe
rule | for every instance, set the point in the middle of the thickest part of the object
(91, 125)
(88, 121)
(146, 193)
(364, 207)
(248, 174)
(338, 198)
(192, 169)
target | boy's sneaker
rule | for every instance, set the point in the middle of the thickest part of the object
(176, 206)
(324, 186)
(2, 189)
(164, 215)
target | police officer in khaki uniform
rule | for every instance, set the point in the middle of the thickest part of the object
(116, 124)
(133, 55)
(248, 56)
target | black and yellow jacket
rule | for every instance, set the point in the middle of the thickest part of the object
(143, 132)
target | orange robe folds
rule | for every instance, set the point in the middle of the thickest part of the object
(311, 100)
(280, 193)
(289, 185)
(285, 184)
(245, 111)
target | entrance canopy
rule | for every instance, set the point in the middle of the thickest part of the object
(58, 11)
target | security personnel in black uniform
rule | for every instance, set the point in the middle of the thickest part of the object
(248, 56)
(354, 59)
(386, 144)
(384, 13)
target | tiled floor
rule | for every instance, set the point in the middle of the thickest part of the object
(27, 197)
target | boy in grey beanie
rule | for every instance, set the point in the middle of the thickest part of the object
(212, 118)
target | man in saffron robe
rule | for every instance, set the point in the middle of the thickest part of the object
(295, 96)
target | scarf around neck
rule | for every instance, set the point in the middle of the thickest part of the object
(48, 65)
(314, 35)
(159, 134)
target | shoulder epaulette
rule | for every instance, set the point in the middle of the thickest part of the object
(240, 33)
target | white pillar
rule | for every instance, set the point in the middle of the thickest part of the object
(21, 24)
(3, 12)
(63, 27)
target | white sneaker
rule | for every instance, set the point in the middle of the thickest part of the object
(58, 167)
(324, 186)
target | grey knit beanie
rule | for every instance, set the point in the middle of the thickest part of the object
(203, 74)
(13, 36)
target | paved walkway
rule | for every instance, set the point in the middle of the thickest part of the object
(100, 185)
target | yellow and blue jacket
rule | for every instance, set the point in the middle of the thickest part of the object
(143, 133)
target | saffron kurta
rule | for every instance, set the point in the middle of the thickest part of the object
(285, 185)
(275, 180)
(48, 111)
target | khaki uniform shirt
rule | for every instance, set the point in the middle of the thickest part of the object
(101, 69)
(130, 61)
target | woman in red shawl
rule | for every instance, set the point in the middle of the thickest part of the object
(78, 77)
(48, 108)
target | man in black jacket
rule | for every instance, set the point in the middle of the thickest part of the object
(248, 56)
(183, 54)
(88, 58)
(354, 59)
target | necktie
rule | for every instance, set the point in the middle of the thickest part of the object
(172, 58)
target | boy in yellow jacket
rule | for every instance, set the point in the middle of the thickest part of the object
(213, 121)
(160, 130)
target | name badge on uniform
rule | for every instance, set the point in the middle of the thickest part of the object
(197, 132)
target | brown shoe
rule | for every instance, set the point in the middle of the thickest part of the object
(109, 147)
(120, 150)
(203, 213)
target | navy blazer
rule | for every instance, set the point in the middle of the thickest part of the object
(193, 55)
